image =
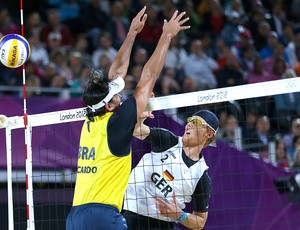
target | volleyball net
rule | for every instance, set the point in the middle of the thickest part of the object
(39, 195)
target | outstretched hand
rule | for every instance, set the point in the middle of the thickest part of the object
(175, 24)
(146, 114)
(138, 21)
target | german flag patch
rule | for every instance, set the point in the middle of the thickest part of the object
(168, 175)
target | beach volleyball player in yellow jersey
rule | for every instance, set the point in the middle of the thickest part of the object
(104, 158)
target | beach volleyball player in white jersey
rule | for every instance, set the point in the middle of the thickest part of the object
(173, 174)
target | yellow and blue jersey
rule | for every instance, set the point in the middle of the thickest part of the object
(104, 157)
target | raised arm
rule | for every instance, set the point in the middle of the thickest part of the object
(120, 64)
(141, 131)
(155, 63)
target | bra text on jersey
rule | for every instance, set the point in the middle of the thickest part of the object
(86, 154)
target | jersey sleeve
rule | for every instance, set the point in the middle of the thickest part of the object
(161, 139)
(121, 126)
(202, 194)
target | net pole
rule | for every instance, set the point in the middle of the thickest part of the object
(28, 152)
(9, 180)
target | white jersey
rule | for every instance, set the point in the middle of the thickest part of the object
(158, 175)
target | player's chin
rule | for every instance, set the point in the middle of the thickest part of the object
(185, 137)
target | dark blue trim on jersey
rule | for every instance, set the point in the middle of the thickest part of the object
(120, 128)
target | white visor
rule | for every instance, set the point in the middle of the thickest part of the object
(115, 86)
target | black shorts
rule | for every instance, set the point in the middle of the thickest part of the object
(139, 222)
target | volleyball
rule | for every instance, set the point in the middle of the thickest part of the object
(14, 50)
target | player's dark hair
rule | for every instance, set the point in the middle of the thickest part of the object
(96, 90)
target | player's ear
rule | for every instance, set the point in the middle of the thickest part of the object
(209, 134)
(109, 107)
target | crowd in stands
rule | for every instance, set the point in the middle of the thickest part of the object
(230, 43)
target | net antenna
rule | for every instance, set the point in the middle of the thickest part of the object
(28, 149)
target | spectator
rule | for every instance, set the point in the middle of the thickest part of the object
(49, 72)
(290, 41)
(281, 156)
(245, 41)
(249, 126)
(295, 146)
(277, 19)
(261, 36)
(207, 41)
(278, 70)
(104, 63)
(200, 67)
(195, 22)
(85, 76)
(259, 140)
(82, 46)
(295, 10)
(188, 85)
(222, 116)
(293, 131)
(130, 85)
(152, 29)
(58, 82)
(166, 7)
(297, 64)
(59, 58)
(105, 47)
(117, 25)
(296, 161)
(176, 58)
(176, 55)
(54, 41)
(94, 22)
(287, 105)
(278, 53)
(268, 49)
(69, 13)
(55, 26)
(220, 48)
(128, 9)
(136, 72)
(77, 67)
(258, 73)
(7, 24)
(230, 74)
(231, 129)
(231, 30)
(139, 57)
(38, 52)
(247, 59)
(233, 5)
(34, 24)
(255, 24)
(213, 19)
(168, 82)
(8, 77)
(226, 109)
